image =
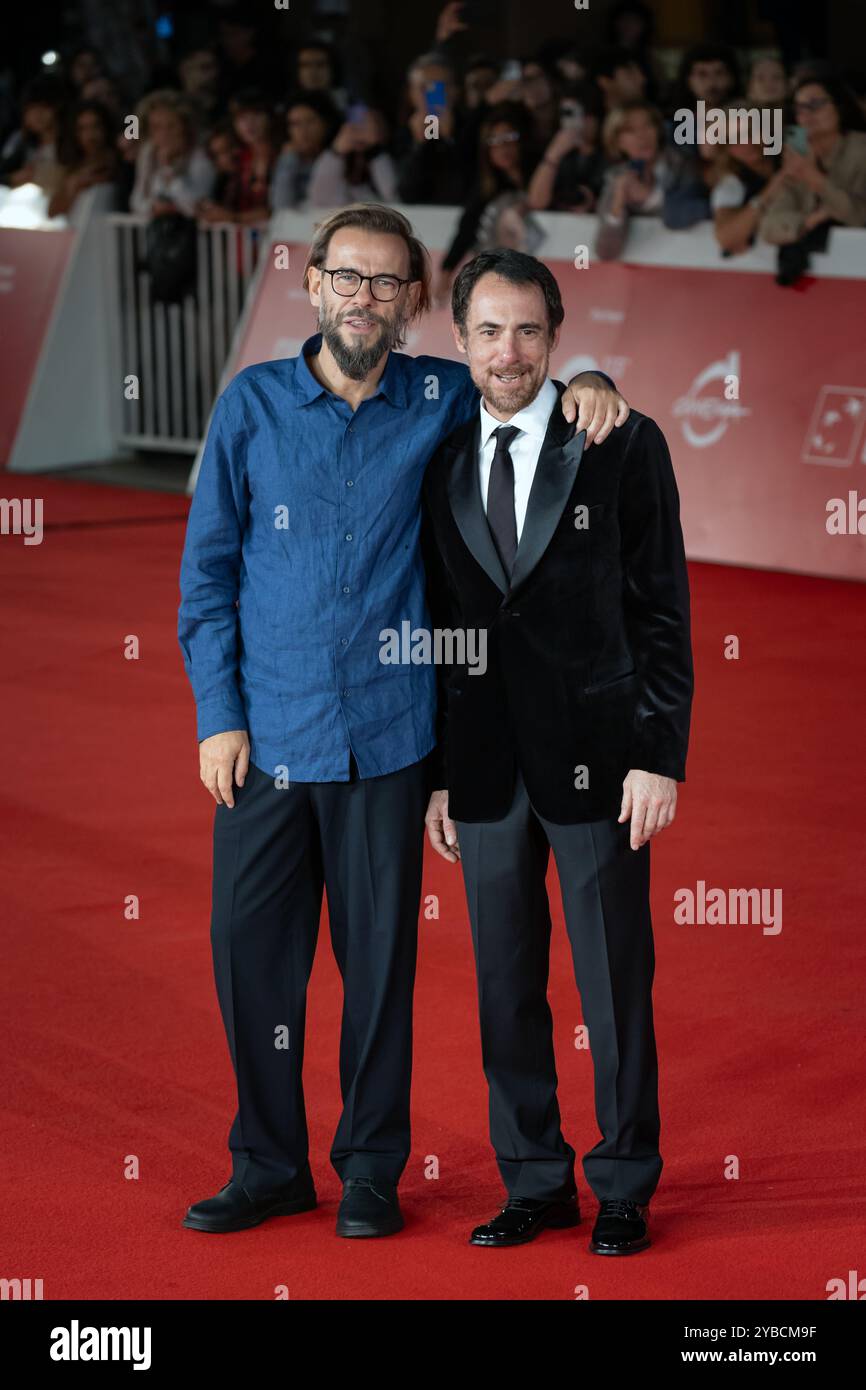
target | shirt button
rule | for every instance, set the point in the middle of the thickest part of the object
(348, 535)
(349, 483)
(346, 589)
(345, 692)
(344, 641)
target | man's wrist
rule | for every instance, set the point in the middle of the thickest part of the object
(580, 379)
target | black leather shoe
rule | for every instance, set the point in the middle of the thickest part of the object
(235, 1209)
(522, 1218)
(620, 1228)
(369, 1208)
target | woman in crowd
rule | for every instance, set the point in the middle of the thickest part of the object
(749, 180)
(223, 151)
(635, 183)
(30, 155)
(88, 156)
(506, 159)
(312, 121)
(245, 194)
(767, 83)
(172, 173)
(539, 92)
(827, 184)
(357, 167)
(570, 174)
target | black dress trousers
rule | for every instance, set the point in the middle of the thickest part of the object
(273, 854)
(605, 893)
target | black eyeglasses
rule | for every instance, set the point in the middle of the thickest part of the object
(348, 282)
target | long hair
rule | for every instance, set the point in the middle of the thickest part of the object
(512, 113)
(844, 100)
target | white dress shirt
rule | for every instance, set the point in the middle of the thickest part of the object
(532, 421)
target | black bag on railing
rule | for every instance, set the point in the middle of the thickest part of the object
(170, 257)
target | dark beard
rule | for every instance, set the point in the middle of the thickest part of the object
(358, 362)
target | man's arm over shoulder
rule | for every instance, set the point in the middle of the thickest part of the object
(656, 599)
(209, 574)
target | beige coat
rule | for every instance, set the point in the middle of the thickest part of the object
(844, 196)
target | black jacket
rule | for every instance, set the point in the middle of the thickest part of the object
(589, 661)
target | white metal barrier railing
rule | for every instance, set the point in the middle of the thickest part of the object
(177, 352)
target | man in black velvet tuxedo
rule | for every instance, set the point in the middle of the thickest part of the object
(572, 737)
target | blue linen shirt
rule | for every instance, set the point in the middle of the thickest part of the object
(302, 545)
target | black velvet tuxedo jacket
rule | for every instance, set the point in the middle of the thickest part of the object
(589, 662)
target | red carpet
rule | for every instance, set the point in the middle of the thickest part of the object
(114, 1050)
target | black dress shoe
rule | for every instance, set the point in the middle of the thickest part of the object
(369, 1208)
(235, 1209)
(522, 1218)
(620, 1228)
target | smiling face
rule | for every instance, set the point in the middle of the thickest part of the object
(767, 83)
(507, 342)
(358, 328)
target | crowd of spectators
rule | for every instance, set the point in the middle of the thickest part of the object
(224, 137)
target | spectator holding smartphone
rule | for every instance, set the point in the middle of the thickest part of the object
(356, 168)
(312, 121)
(570, 174)
(435, 158)
(635, 184)
(506, 160)
(824, 181)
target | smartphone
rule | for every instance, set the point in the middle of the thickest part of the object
(570, 115)
(512, 71)
(795, 136)
(637, 166)
(356, 114)
(435, 97)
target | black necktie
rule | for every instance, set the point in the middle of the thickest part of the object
(500, 497)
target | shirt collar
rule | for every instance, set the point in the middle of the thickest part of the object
(392, 383)
(533, 419)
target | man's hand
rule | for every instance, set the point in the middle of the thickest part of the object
(596, 405)
(450, 21)
(441, 831)
(220, 756)
(651, 801)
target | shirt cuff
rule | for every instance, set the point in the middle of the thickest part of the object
(218, 716)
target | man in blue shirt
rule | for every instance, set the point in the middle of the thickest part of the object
(302, 547)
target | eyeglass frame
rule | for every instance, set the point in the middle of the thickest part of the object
(347, 270)
(814, 104)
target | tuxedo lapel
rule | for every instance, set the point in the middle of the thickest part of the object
(464, 493)
(555, 473)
